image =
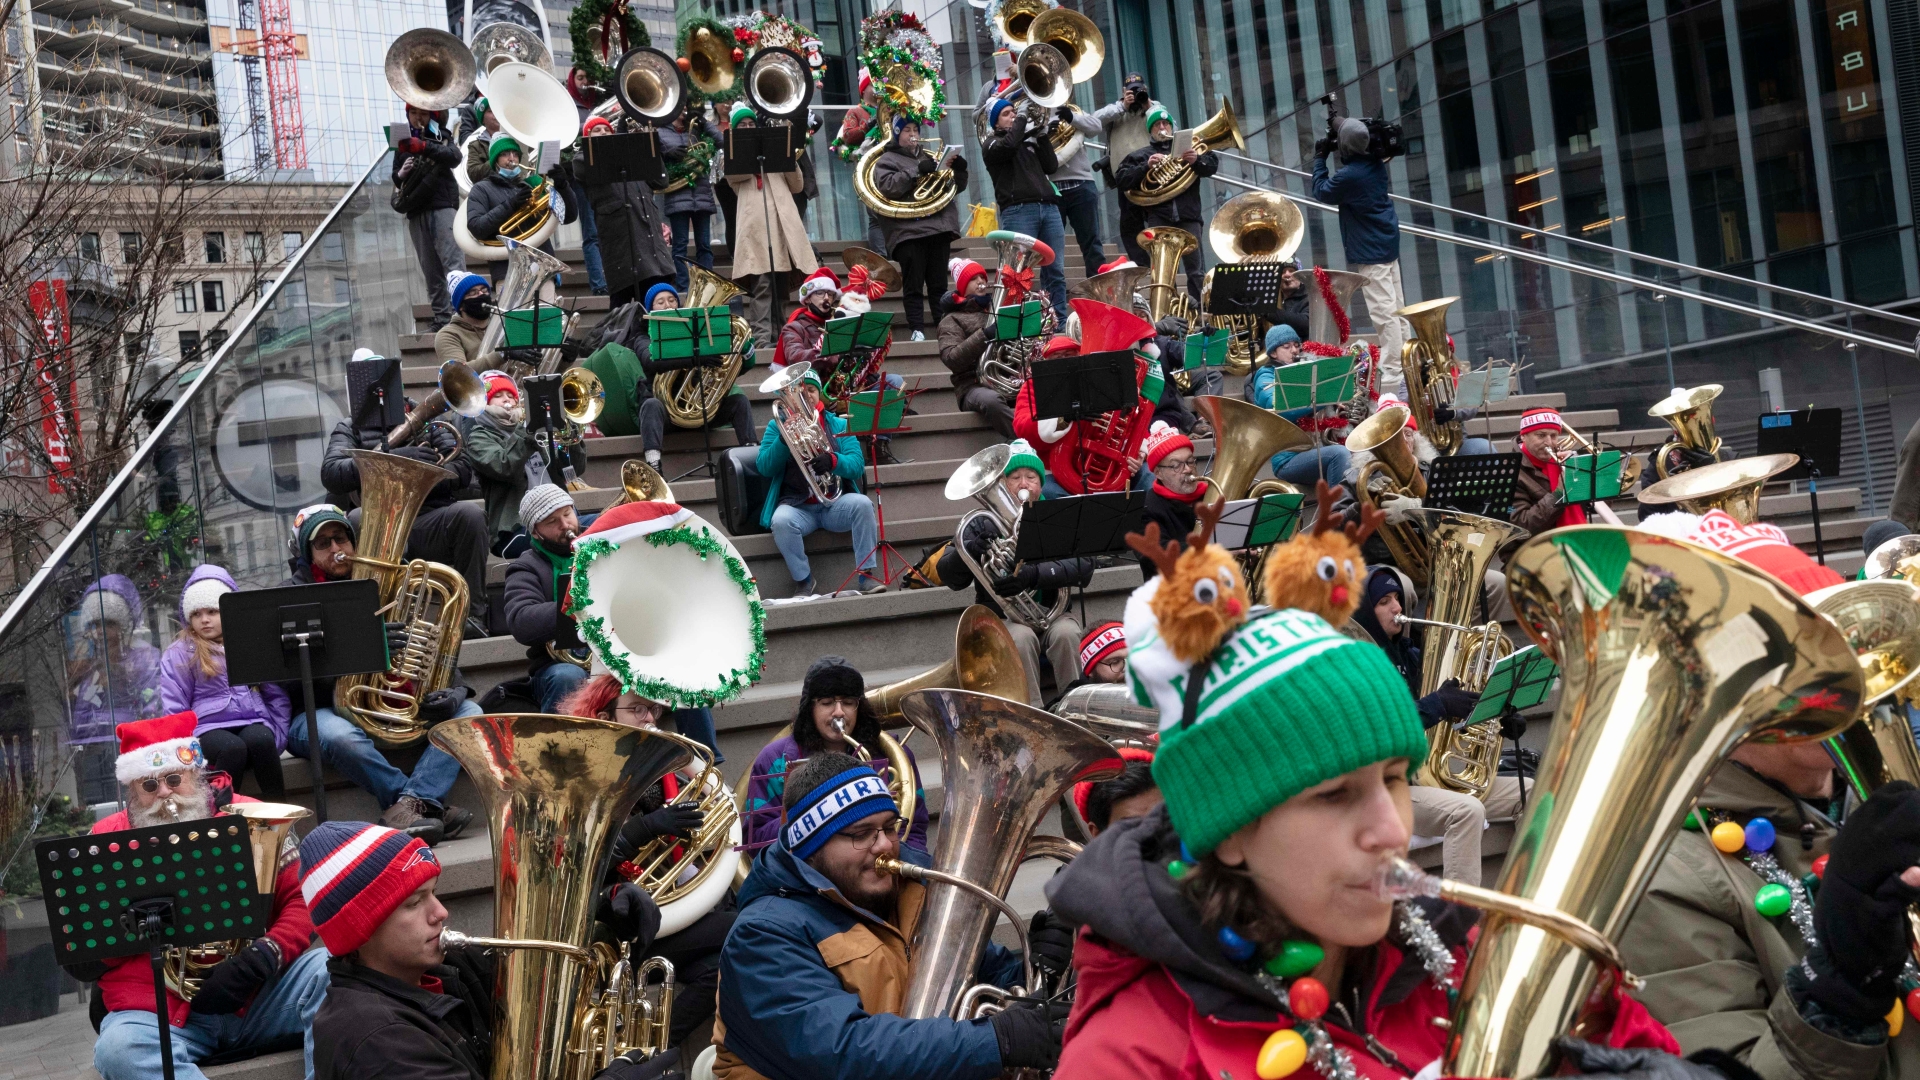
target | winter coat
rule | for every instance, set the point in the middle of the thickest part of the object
(341, 476)
(896, 173)
(1126, 131)
(458, 340)
(217, 704)
(811, 987)
(791, 248)
(767, 784)
(1176, 520)
(532, 604)
(1296, 307)
(631, 248)
(1060, 451)
(372, 1026)
(1369, 229)
(128, 982)
(477, 164)
(1331, 419)
(1535, 506)
(697, 196)
(1055, 574)
(113, 690)
(490, 203)
(799, 339)
(1131, 174)
(1019, 166)
(1077, 166)
(1715, 968)
(440, 192)
(498, 457)
(774, 459)
(963, 341)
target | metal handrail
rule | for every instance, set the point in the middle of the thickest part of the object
(91, 517)
(1719, 275)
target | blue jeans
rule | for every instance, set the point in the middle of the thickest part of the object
(129, 1044)
(701, 225)
(1051, 489)
(1474, 445)
(697, 724)
(351, 752)
(792, 524)
(1080, 206)
(552, 684)
(1302, 468)
(1042, 222)
(590, 248)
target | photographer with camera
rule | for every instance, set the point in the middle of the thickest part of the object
(1019, 155)
(1125, 125)
(1356, 181)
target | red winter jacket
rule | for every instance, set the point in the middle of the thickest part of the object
(128, 983)
(1061, 456)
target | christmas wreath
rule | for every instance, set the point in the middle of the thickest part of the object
(758, 30)
(719, 30)
(693, 168)
(895, 38)
(593, 26)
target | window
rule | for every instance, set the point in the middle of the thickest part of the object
(216, 245)
(342, 291)
(290, 243)
(174, 248)
(130, 247)
(90, 246)
(333, 248)
(215, 339)
(189, 345)
(255, 245)
(184, 300)
(213, 295)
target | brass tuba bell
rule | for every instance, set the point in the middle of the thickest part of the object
(1732, 486)
(1245, 438)
(1690, 414)
(778, 83)
(1172, 177)
(649, 86)
(693, 396)
(1393, 462)
(985, 659)
(1166, 246)
(430, 69)
(1256, 226)
(1427, 364)
(710, 64)
(1076, 37)
(1014, 20)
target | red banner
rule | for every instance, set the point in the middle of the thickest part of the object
(58, 427)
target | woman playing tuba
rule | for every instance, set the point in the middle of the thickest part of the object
(921, 218)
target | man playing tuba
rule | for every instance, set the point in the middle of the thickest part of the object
(1183, 210)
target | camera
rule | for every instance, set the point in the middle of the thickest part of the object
(1384, 137)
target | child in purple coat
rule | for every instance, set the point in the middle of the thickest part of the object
(240, 727)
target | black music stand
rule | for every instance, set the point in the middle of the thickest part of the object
(544, 413)
(324, 630)
(135, 891)
(1083, 387)
(1474, 484)
(379, 399)
(1079, 525)
(756, 151)
(1814, 434)
(610, 159)
(1246, 289)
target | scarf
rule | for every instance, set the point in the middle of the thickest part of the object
(1199, 492)
(1571, 514)
(562, 564)
(780, 340)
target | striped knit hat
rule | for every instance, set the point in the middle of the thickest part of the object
(353, 875)
(1541, 417)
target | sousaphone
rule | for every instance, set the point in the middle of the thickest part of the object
(1732, 486)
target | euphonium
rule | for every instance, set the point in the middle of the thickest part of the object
(270, 840)
(428, 597)
(985, 660)
(1673, 655)
(687, 877)
(1171, 177)
(460, 389)
(693, 395)
(1394, 463)
(1109, 711)
(528, 269)
(1426, 360)
(556, 788)
(1004, 365)
(801, 429)
(1730, 486)
(978, 478)
(1690, 414)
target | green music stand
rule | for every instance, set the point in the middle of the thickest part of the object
(1313, 383)
(692, 337)
(1207, 348)
(1591, 477)
(540, 326)
(867, 331)
(1016, 322)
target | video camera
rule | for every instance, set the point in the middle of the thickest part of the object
(1384, 137)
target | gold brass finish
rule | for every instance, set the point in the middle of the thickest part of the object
(1077, 38)
(1256, 226)
(649, 86)
(903, 85)
(581, 396)
(878, 266)
(1166, 292)
(800, 427)
(1427, 362)
(1245, 438)
(269, 827)
(693, 395)
(1400, 474)
(985, 660)
(687, 877)
(1731, 486)
(1172, 177)
(1015, 19)
(710, 64)
(1672, 656)
(1690, 414)
(641, 482)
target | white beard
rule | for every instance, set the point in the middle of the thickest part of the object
(191, 803)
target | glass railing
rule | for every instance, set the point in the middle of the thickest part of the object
(216, 481)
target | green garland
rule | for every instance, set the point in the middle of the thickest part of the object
(592, 14)
(884, 55)
(719, 30)
(693, 168)
(593, 629)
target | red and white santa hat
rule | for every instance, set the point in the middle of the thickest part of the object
(866, 80)
(156, 747)
(1534, 419)
(823, 278)
(1388, 401)
(1759, 544)
(1163, 439)
(1120, 263)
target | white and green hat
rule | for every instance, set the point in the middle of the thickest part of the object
(1157, 114)
(1023, 457)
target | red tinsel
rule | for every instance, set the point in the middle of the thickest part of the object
(1321, 348)
(1326, 297)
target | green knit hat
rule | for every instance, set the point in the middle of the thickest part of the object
(741, 111)
(502, 143)
(1288, 702)
(1157, 114)
(1023, 457)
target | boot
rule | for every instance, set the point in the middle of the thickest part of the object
(408, 814)
(454, 821)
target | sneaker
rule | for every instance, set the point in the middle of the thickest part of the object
(804, 588)
(868, 584)
(653, 459)
(917, 335)
(454, 821)
(474, 629)
(884, 454)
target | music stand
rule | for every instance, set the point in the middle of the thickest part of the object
(379, 399)
(872, 415)
(1083, 387)
(1520, 680)
(123, 893)
(1246, 289)
(691, 337)
(1079, 525)
(303, 632)
(1256, 523)
(755, 151)
(609, 159)
(541, 394)
(1473, 484)
(1814, 434)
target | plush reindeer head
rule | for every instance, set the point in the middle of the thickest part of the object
(1201, 594)
(1321, 571)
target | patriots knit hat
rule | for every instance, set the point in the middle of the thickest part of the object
(994, 109)
(656, 291)
(459, 283)
(202, 594)
(308, 521)
(502, 143)
(1023, 457)
(1100, 643)
(1157, 114)
(848, 797)
(1534, 419)
(741, 111)
(1163, 439)
(501, 384)
(156, 747)
(540, 502)
(1285, 702)
(1280, 335)
(963, 271)
(821, 279)
(353, 875)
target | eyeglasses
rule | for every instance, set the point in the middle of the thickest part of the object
(324, 542)
(863, 838)
(1178, 466)
(642, 712)
(173, 780)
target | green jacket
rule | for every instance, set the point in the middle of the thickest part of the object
(499, 459)
(1715, 968)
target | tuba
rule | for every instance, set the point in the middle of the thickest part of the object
(1172, 177)
(1004, 365)
(693, 395)
(1690, 414)
(430, 69)
(428, 597)
(985, 660)
(502, 42)
(1894, 559)
(533, 107)
(1075, 37)
(1253, 226)
(641, 482)
(778, 85)
(1672, 655)
(1245, 438)
(1115, 288)
(805, 436)
(1729, 486)
(978, 478)
(936, 190)
(1166, 246)
(710, 64)
(687, 878)
(648, 86)
(1014, 21)
(1426, 362)
(1321, 325)
(272, 843)
(1043, 75)
(1394, 462)
(556, 788)
(528, 271)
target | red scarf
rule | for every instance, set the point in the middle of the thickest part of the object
(1199, 492)
(1571, 514)
(780, 340)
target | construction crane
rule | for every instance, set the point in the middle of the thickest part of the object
(257, 122)
(280, 50)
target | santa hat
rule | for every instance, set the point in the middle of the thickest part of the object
(157, 747)
(1083, 791)
(1105, 328)
(866, 81)
(502, 384)
(823, 278)
(595, 122)
(1101, 642)
(1388, 401)
(1120, 263)
(1759, 544)
(354, 874)
(1534, 419)
(1060, 345)
(1163, 439)
(963, 271)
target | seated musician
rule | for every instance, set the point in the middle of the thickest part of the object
(248, 1003)
(1301, 468)
(1726, 974)
(1040, 581)
(1080, 459)
(472, 300)
(1103, 659)
(806, 327)
(833, 714)
(1130, 795)
(794, 512)
(816, 968)
(399, 1004)
(498, 447)
(415, 802)
(1455, 816)
(1199, 915)
(964, 333)
(447, 529)
(536, 601)
(1540, 492)
(1177, 487)
(1183, 210)
(734, 408)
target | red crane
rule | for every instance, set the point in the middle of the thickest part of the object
(280, 51)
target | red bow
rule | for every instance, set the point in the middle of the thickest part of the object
(859, 280)
(1018, 282)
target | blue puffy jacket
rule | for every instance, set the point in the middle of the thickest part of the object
(807, 981)
(1369, 229)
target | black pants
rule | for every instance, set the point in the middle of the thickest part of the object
(923, 266)
(235, 750)
(1132, 220)
(729, 203)
(734, 409)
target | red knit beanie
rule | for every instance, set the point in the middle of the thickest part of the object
(1060, 345)
(1163, 439)
(1083, 791)
(353, 875)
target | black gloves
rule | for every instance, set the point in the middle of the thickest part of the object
(1323, 147)
(1592, 1059)
(233, 982)
(926, 165)
(1025, 576)
(675, 819)
(1442, 414)
(822, 464)
(1065, 113)
(1451, 700)
(630, 913)
(1029, 1038)
(1172, 326)
(1860, 913)
(630, 1067)
(1512, 725)
(1694, 458)
(1051, 939)
(522, 195)
(396, 639)
(440, 705)
(444, 440)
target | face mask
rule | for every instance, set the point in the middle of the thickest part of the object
(474, 307)
(511, 172)
(433, 127)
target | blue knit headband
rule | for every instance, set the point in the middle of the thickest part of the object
(848, 797)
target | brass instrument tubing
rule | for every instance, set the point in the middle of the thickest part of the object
(450, 939)
(926, 876)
